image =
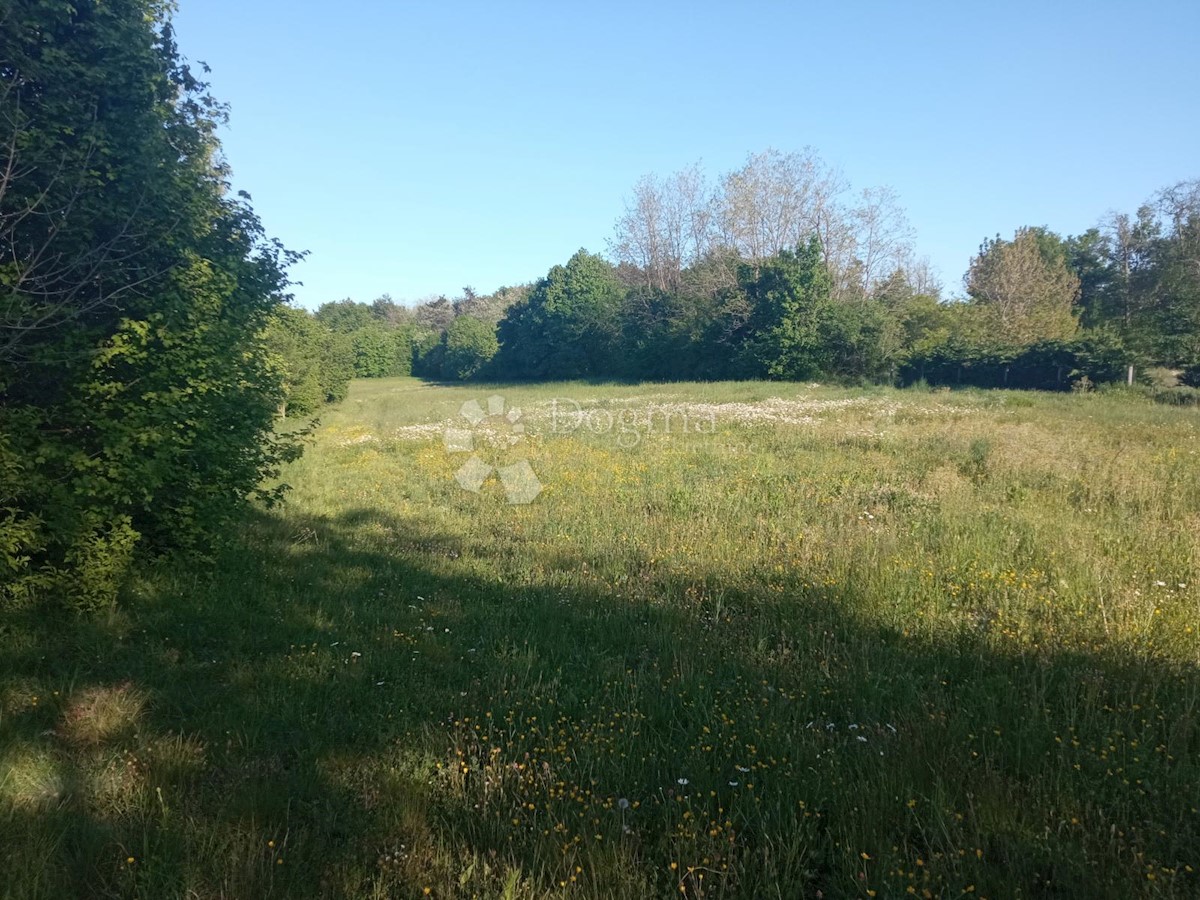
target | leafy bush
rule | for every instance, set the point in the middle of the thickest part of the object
(1049, 365)
(314, 362)
(428, 355)
(137, 398)
(1176, 396)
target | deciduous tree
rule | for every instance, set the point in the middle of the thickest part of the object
(137, 399)
(1026, 287)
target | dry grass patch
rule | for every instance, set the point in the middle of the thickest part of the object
(97, 715)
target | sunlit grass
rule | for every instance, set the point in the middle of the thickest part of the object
(861, 643)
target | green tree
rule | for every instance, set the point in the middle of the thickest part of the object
(568, 325)
(1026, 287)
(470, 346)
(315, 363)
(1174, 313)
(137, 398)
(381, 352)
(1140, 275)
(1088, 258)
(337, 364)
(663, 335)
(790, 298)
(379, 334)
(429, 353)
(347, 315)
(293, 340)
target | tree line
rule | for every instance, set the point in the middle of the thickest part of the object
(148, 349)
(777, 270)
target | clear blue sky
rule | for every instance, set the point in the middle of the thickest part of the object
(416, 148)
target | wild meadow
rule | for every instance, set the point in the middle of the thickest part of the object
(750, 640)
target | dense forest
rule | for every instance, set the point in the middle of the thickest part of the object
(778, 271)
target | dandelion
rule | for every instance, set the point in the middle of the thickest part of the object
(682, 782)
(623, 803)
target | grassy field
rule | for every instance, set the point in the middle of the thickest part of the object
(750, 640)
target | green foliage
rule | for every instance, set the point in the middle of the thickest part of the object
(1134, 286)
(797, 331)
(1024, 288)
(1102, 356)
(381, 342)
(470, 345)
(336, 353)
(1176, 315)
(429, 353)
(1140, 275)
(381, 352)
(136, 397)
(568, 325)
(1099, 356)
(663, 336)
(789, 296)
(316, 363)
(348, 316)
(373, 352)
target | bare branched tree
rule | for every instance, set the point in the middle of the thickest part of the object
(775, 201)
(666, 227)
(1179, 206)
(883, 235)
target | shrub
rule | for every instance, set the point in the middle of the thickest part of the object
(1099, 357)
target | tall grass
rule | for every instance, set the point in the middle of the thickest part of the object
(769, 641)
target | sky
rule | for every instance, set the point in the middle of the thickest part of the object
(416, 148)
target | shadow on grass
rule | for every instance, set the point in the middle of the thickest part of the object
(366, 707)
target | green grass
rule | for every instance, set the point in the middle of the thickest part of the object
(857, 643)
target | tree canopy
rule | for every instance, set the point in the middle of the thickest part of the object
(137, 400)
(567, 326)
(1025, 288)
